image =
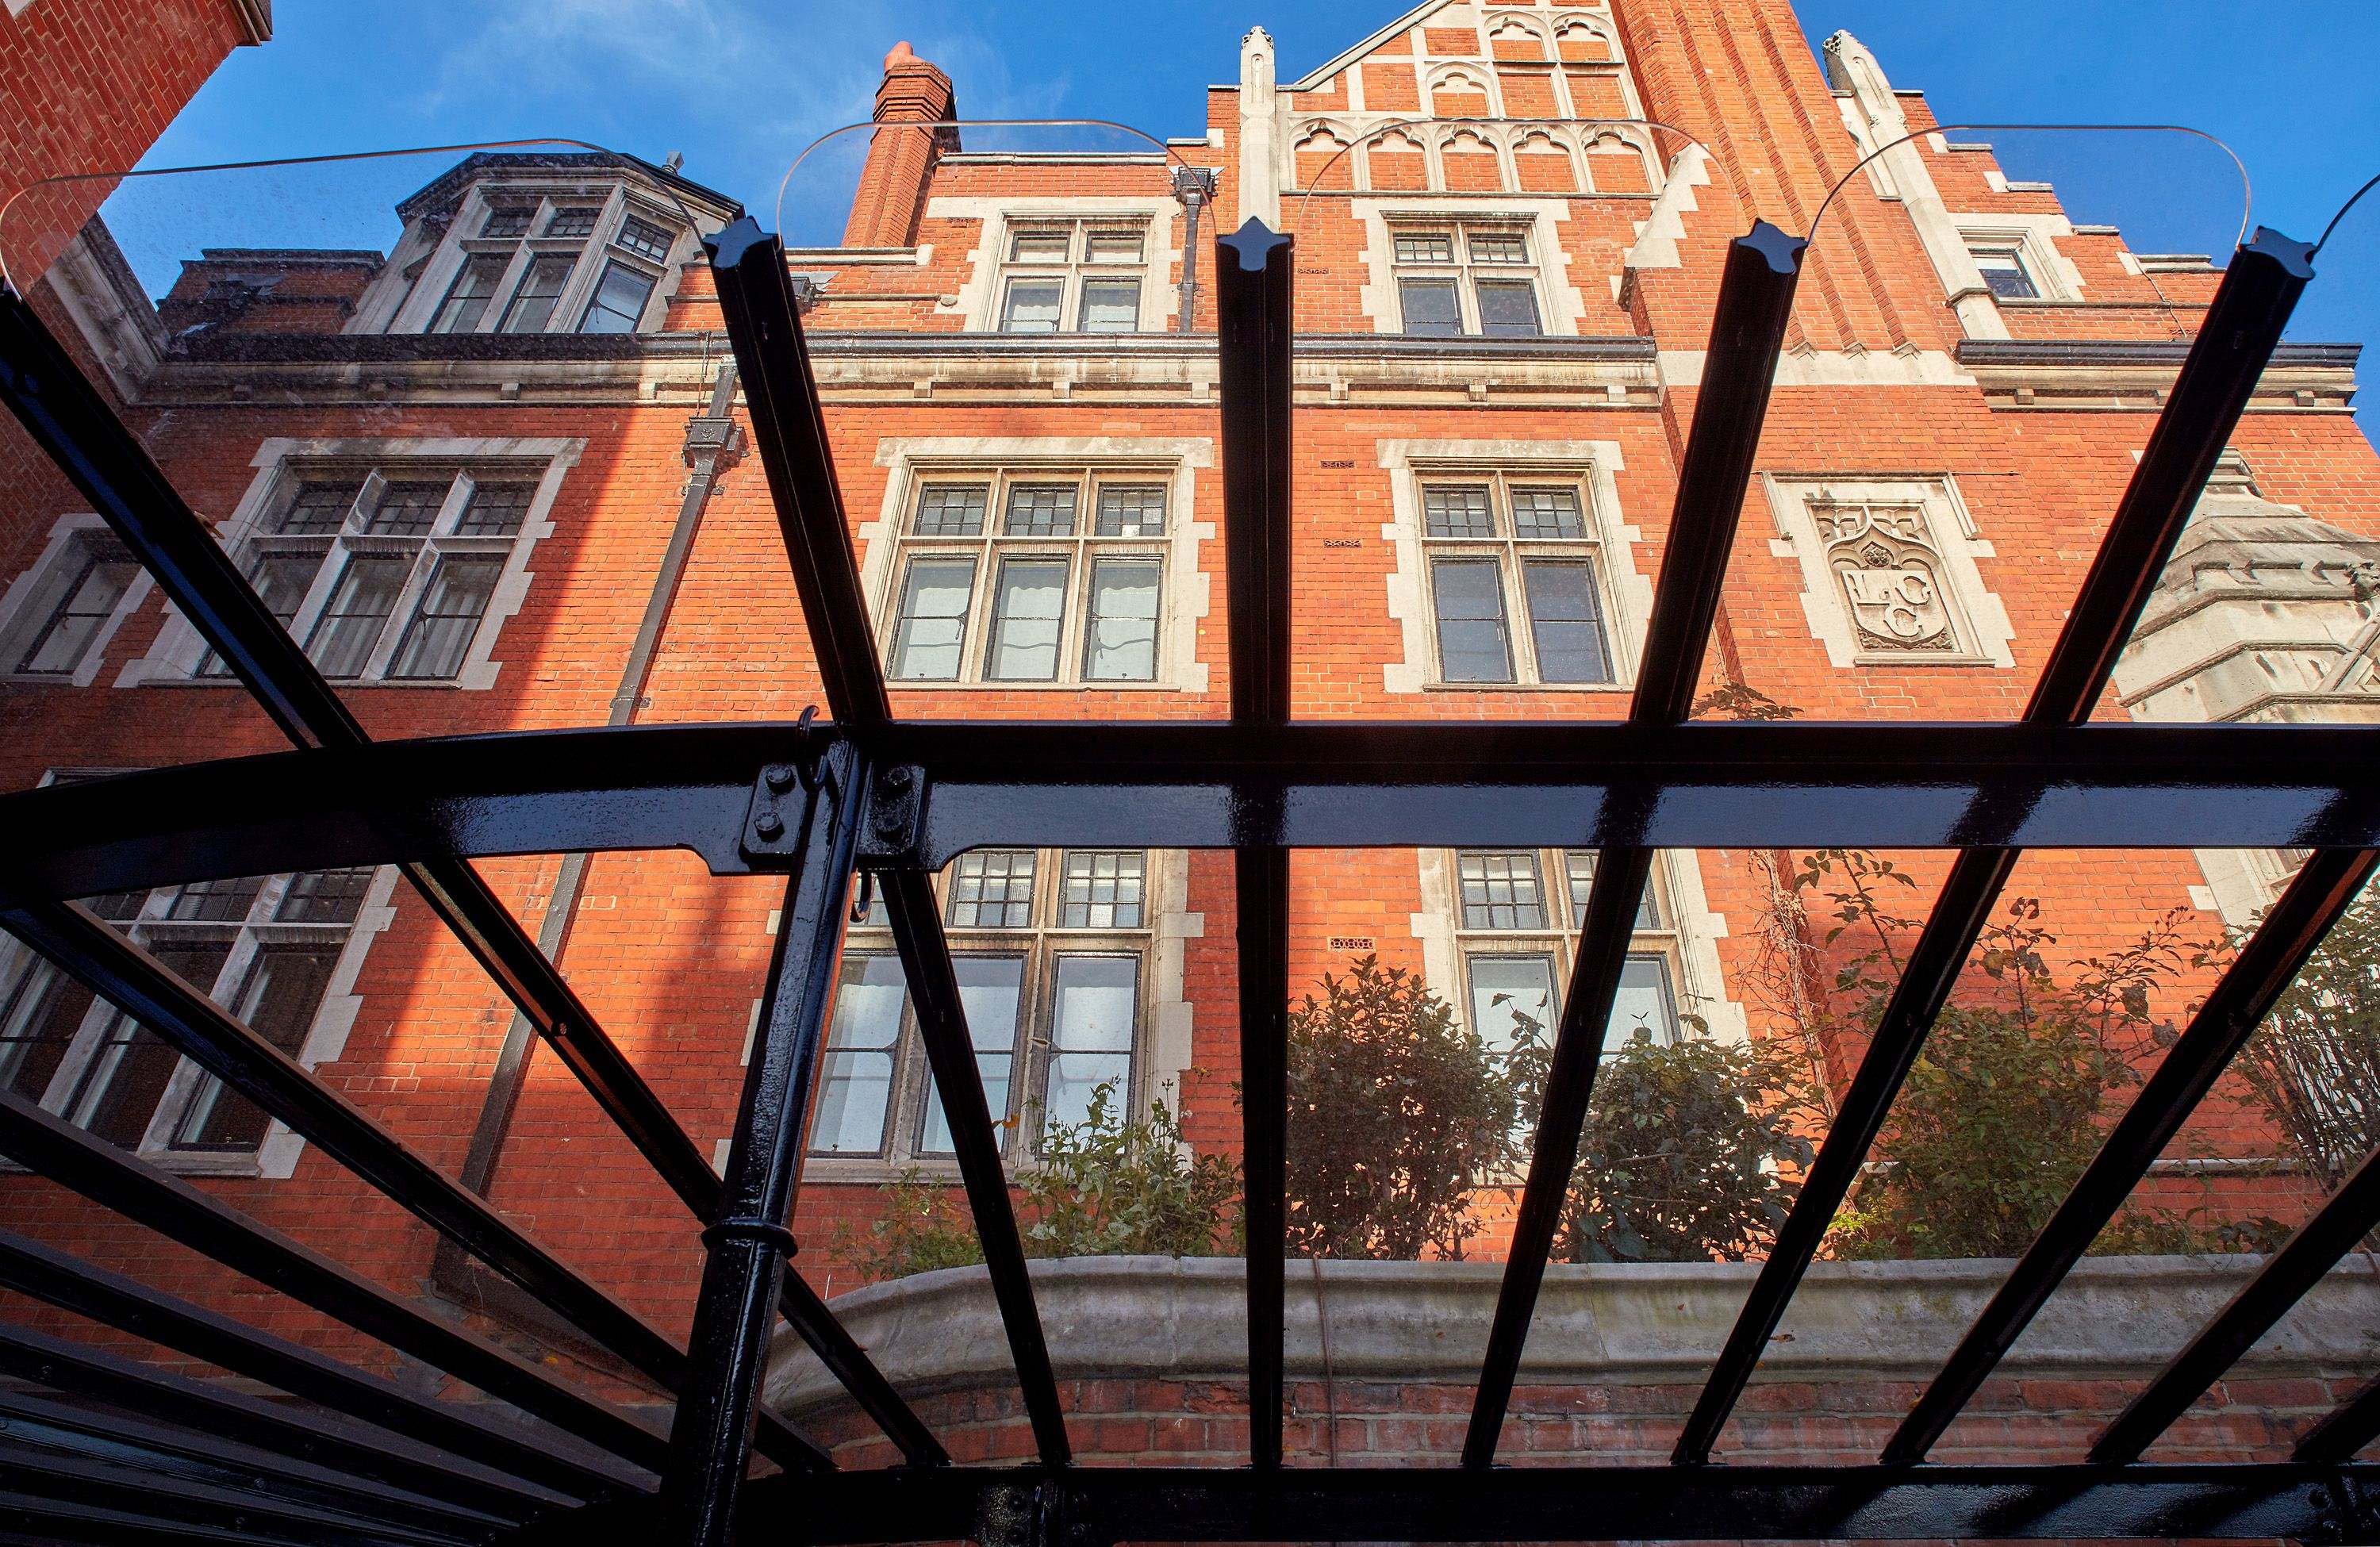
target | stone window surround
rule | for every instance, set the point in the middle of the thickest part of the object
(1188, 593)
(1977, 615)
(393, 304)
(2035, 237)
(1541, 216)
(275, 1158)
(1576, 140)
(175, 656)
(977, 297)
(1700, 985)
(1161, 1054)
(1627, 594)
(31, 593)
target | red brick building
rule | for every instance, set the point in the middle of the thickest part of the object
(482, 476)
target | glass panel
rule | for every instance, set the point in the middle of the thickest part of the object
(1429, 309)
(1104, 889)
(1113, 246)
(1580, 863)
(951, 509)
(1425, 247)
(350, 626)
(1110, 305)
(646, 239)
(855, 1086)
(990, 989)
(40, 1008)
(1508, 991)
(408, 508)
(1121, 643)
(1456, 510)
(533, 305)
(467, 300)
(1040, 244)
(319, 508)
(323, 897)
(1032, 305)
(1547, 513)
(282, 992)
(213, 902)
(496, 509)
(1041, 510)
(619, 302)
(1499, 247)
(575, 220)
(1501, 890)
(1027, 605)
(1566, 622)
(452, 605)
(1508, 308)
(1644, 1008)
(1472, 643)
(120, 1088)
(507, 220)
(932, 625)
(992, 889)
(1131, 510)
(1090, 1041)
(2004, 271)
(88, 600)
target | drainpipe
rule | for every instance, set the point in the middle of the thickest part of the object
(1194, 185)
(713, 443)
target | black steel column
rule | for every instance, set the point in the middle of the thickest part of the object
(748, 1241)
(1755, 303)
(1254, 284)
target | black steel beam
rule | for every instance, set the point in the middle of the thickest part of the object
(1755, 304)
(1254, 283)
(748, 1237)
(1100, 1505)
(184, 1215)
(214, 1410)
(74, 1480)
(908, 896)
(128, 976)
(217, 1461)
(2345, 1218)
(2354, 1424)
(2235, 340)
(2291, 929)
(789, 432)
(1262, 935)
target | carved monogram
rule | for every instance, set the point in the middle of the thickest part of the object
(1891, 574)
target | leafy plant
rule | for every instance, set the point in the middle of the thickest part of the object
(1397, 1114)
(920, 1229)
(1109, 1187)
(2314, 1063)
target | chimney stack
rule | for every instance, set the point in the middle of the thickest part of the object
(892, 186)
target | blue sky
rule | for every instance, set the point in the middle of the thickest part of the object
(740, 86)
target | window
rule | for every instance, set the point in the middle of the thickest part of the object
(466, 299)
(533, 305)
(67, 606)
(387, 574)
(620, 298)
(1519, 941)
(266, 948)
(1029, 576)
(1516, 584)
(1052, 949)
(538, 264)
(1061, 276)
(1466, 277)
(2005, 271)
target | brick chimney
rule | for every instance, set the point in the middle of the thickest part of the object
(892, 186)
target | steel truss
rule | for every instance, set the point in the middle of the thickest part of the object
(864, 792)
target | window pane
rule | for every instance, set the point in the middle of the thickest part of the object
(1500, 889)
(1472, 645)
(1041, 510)
(1580, 863)
(951, 509)
(1032, 307)
(1110, 305)
(279, 1001)
(40, 1009)
(120, 1088)
(508, 220)
(448, 615)
(855, 1086)
(88, 602)
(533, 305)
(619, 303)
(281, 581)
(1425, 247)
(990, 990)
(1090, 1039)
(2005, 272)
(467, 300)
(319, 508)
(1547, 513)
(1121, 644)
(407, 508)
(1505, 991)
(1040, 244)
(646, 239)
(1508, 308)
(1456, 510)
(992, 889)
(360, 605)
(1025, 609)
(496, 509)
(577, 220)
(1131, 510)
(932, 625)
(1115, 245)
(1499, 247)
(324, 896)
(1566, 621)
(213, 902)
(1105, 889)
(1643, 1007)
(1430, 310)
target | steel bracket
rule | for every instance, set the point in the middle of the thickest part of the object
(896, 819)
(775, 822)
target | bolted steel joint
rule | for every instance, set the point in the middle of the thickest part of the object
(896, 804)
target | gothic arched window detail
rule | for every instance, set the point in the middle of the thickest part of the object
(1884, 558)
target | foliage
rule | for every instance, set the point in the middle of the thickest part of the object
(2314, 1063)
(1102, 1187)
(1682, 1155)
(1109, 1187)
(1398, 1112)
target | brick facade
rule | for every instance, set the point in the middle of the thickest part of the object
(267, 363)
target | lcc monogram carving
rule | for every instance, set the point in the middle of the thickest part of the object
(1891, 573)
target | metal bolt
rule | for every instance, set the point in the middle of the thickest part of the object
(896, 778)
(780, 777)
(768, 824)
